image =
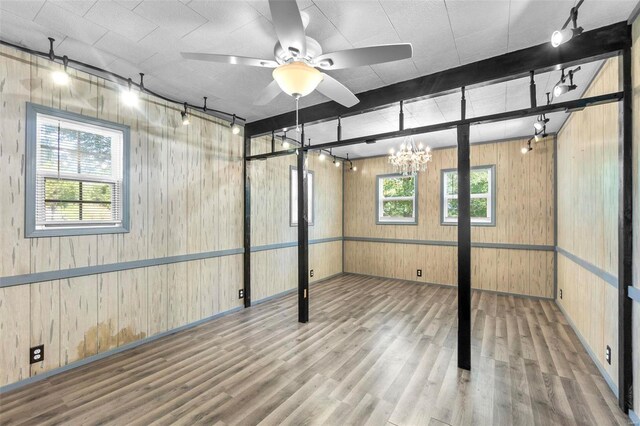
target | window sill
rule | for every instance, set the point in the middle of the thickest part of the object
(487, 224)
(68, 232)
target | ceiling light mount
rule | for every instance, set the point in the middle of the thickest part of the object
(565, 34)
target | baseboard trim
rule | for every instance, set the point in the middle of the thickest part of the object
(97, 357)
(502, 293)
(593, 357)
(292, 290)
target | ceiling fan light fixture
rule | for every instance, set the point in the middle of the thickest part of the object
(297, 79)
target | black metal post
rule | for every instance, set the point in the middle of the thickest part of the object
(303, 236)
(464, 248)
(247, 223)
(532, 91)
(401, 117)
(625, 238)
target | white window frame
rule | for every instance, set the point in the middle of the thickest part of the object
(293, 196)
(490, 220)
(36, 178)
(380, 199)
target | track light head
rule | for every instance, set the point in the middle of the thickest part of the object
(321, 156)
(128, 96)
(562, 36)
(185, 116)
(540, 124)
(525, 149)
(355, 168)
(235, 129)
(561, 89)
(285, 144)
(60, 77)
(539, 136)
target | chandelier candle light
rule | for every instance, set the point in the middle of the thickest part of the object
(410, 160)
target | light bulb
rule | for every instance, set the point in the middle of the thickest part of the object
(129, 97)
(355, 168)
(321, 156)
(60, 78)
(392, 151)
(185, 118)
(524, 150)
(337, 163)
(235, 129)
(285, 144)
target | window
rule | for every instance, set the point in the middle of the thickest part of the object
(482, 196)
(396, 202)
(76, 176)
(293, 221)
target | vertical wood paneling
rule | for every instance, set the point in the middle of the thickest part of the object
(177, 207)
(78, 318)
(14, 334)
(45, 323)
(587, 217)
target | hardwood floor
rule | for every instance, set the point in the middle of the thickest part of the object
(376, 351)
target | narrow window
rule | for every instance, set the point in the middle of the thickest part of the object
(396, 202)
(294, 197)
(76, 177)
(482, 196)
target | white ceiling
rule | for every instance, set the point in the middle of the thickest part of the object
(133, 36)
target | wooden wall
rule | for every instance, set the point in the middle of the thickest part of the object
(524, 216)
(276, 270)
(185, 198)
(587, 218)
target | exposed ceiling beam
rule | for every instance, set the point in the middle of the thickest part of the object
(591, 45)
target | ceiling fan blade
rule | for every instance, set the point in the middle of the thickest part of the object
(230, 59)
(364, 56)
(268, 94)
(289, 27)
(333, 89)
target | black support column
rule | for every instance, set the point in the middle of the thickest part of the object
(464, 249)
(303, 235)
(247, 223)
(625, 238)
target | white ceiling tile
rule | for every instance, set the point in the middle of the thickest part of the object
(121, 20)
(483, 44)
(227, 15)
(27, 33)
(117, 45)
(393, 72)
(24, 9)
(129, 4)
(70, 24)
(471, 17)
(85, 53)
(79, 7)
(438, 63)
(172, 15)
(348, 19)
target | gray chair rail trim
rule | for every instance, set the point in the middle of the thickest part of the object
(597, 271)
(111, 267)
(507, 246)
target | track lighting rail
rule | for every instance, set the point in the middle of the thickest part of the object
(117, 78)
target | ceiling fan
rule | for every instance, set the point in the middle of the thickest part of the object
(298, 59)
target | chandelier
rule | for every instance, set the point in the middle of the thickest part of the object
(410, 159)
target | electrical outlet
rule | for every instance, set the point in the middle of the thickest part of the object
(36, 354)
(419, 272)
(560, 293)
(311, 273)
(241, 293)
(607, 354)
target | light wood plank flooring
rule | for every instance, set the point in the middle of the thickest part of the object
(376, 352)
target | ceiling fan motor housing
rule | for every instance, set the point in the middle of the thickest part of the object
(283, 56)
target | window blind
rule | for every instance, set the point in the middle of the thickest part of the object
(79, 174)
